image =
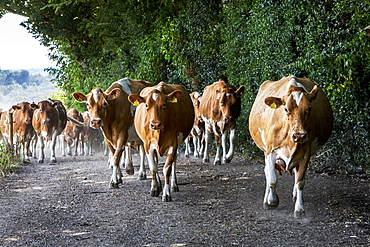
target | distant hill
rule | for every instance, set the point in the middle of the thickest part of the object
(24, 85)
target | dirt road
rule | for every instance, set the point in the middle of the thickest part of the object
(70, 204)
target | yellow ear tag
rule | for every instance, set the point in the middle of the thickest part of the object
(273, 106)
(79, 99)
(174, 100)
(136, 103)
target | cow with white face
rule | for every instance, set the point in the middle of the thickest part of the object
(290, 120)
(114, 115)
(49, 120)
(220, 108)
(164, 118)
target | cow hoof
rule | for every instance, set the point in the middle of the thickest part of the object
(53, 161)
(154, 193)
(113, 186)
(274, 204)
(40, 161)
(167, 198)
(206, 161)
(130, 171)
(142, 176)
(175, 188)
(217, 162)
(187, 155)
(119, 181)
(299, 214)
(227, 160)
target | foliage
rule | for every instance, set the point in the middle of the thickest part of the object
(8, 160)
(194, 43)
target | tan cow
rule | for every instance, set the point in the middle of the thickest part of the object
(113, 113)
(290, 120)
(220, 108)
(164, 118)
(88, 135)
(197, 132)
(71, 133)
(49, 120)
(23, 131)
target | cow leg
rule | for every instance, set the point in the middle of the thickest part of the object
(114, 163)
(271, 198)
(217, 160)
(230, 154)
(153, 166)
(27, 152)
(187, 148)
(128, 161)
(76, 146)
(223, 144)
(196, 143)
(206, 140)
(42, 146)
(142, 172)
(34, 151)
(52, 147)
(174, 185)
(167, 169)
(299, 184)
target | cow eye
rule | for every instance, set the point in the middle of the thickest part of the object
(164, 105)
(146, 105)
(87, 105)
(104, 103)
(287, 111)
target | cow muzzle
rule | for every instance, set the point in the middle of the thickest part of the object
(155, 125)
(299, 137)
(46, 121)
(96, 123)
(228, 119)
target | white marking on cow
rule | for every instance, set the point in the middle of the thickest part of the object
(297, 96)
(263, 137)
(227, 95)
(125, 84)
(155, 96)
(170, 150)
(96, 94)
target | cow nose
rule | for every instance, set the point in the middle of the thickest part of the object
(96, 123)
(46, 121)
(155, 125)
(228, 119)
(299, 136)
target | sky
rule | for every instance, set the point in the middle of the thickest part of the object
(18, 49)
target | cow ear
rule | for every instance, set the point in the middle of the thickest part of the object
(274, 102)
(79, 97)
(240, 90)
(54, 105)
(174, 96)
(135, 99)
(114, 94)
(34, 106)
(15, 108)
(312, 95)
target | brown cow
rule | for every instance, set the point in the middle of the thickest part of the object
(112, 112)
(72, 132)
(88, 135)
(22, 127)
(290, 120)
(164, 118)
(220, 107)
(49, 120)
(197, 132)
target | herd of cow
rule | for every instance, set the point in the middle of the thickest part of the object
(289, 120)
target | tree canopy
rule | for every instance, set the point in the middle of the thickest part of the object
(196, 42)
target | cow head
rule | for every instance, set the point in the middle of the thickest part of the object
(297, 107)
(98, 104)
(229, 102)
(196, 98)
(155, 105)
(23, 112)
